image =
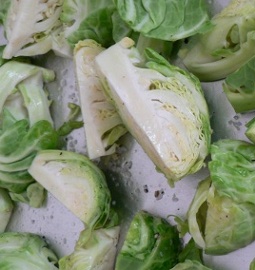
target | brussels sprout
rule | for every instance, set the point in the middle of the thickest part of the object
(76, 182)
(227, 46)
(151, 243)
(103, 126)
(161, 105)
(94, 250)
(25, 251)
(30, 27)
(221, 216)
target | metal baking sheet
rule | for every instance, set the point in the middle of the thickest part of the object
(132, 178)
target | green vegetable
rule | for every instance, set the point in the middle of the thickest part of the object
(250, 130)
(34, 195)
(120, 28)
(25, 251)
(190, 265)
(90, 19)
(71, 123)
(32, 28)
(93, 250)
(227, 46)
(252, 265)
(236, 159)
(103, 126)
(26, 126)
(76, 182)
(239, 87)
(3, 10)
(6, 208)
(166, 20)
(221, 216)
(191, 252)
(162, 106)
(190, 258)
(151, 243)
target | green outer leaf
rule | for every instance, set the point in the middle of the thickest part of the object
(120, 28)
(150, 243)
(71, 123)
(226, 47)
(35, 99)
(232, 169)
(197, 214)
(190, 265)
(34, 195)
(97, 26)
(165, 19)
(191, 252)
(19, 165)
(6, 208)
(2, 60)
(71, 10)
(13, 72)
(142, 15)
(15, 181)
(7, 120)
(229, 225)
(183, 18)
(239, 87)
(10, 138)
(250, 131)
(40, 136)
(219, 69)
(76, 11)
(218, 224)
(4, 6)
(113, 135)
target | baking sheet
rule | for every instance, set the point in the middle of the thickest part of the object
(132, 178)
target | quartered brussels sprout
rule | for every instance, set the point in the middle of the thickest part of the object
(94, 250)
(103, 125)
(221, 216)
(31, 28)
(76, 182)
(161, 105)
